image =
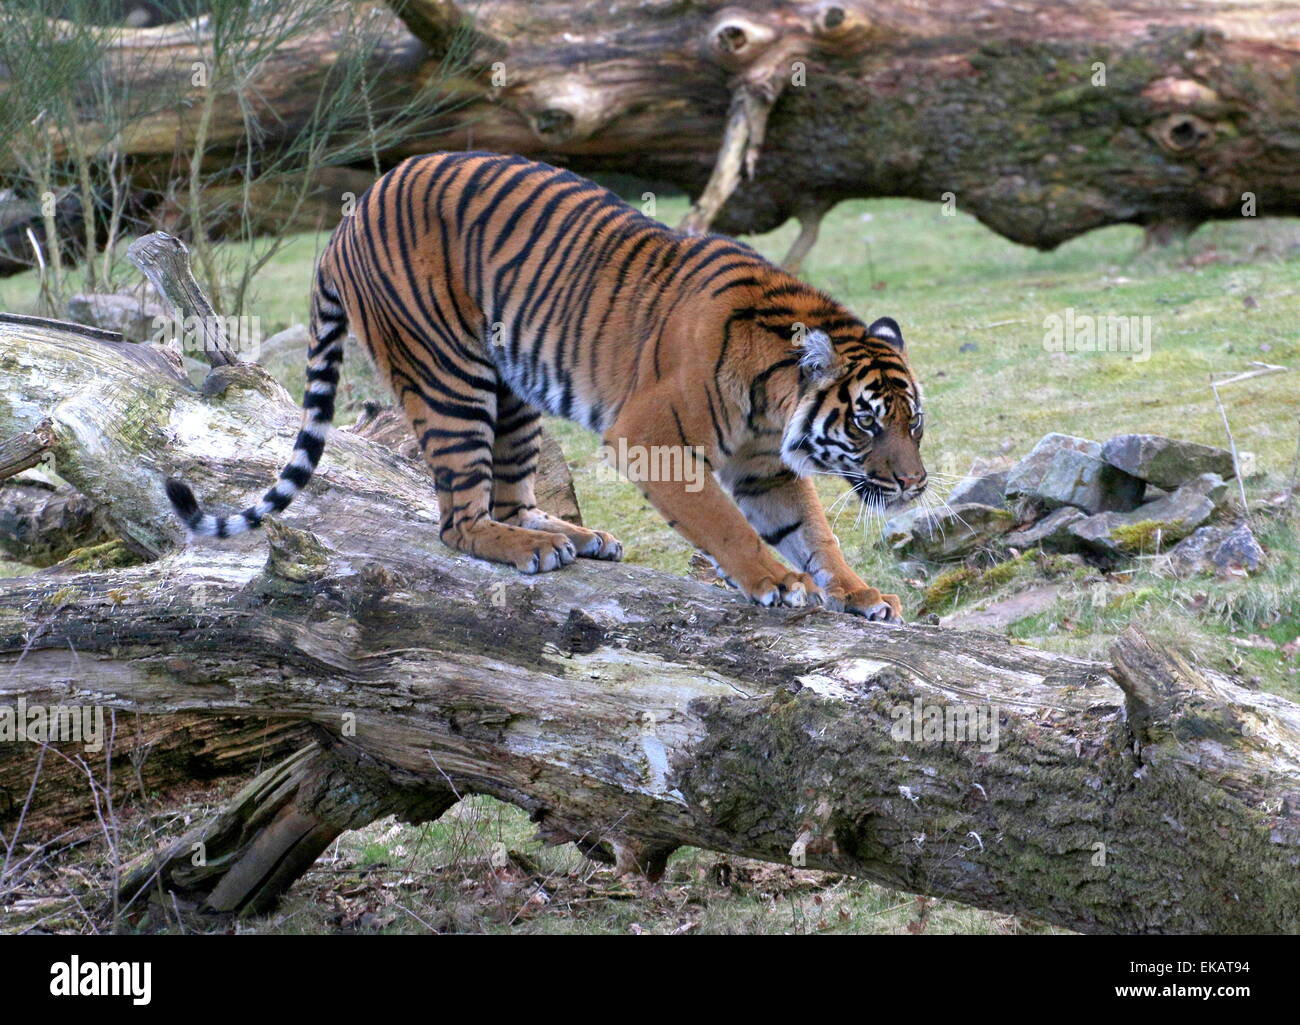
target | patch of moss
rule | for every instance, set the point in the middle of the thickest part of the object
(295, 554)
(945, 588)
(1144, 536)
(1005, 571)
(963, 583)
(63, 596)
(110, 555)
(1131, 600)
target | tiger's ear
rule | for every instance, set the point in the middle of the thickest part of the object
(887, 330)
(817, 357)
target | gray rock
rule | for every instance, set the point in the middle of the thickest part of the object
(999, 615)
(982, 466)
(1212, 486)
(134, 319)
(1161, 523)
(1053, 531)
(1079, 479)
(1239, 550)
(948, 533)
(1215, 550)
(292, 339)
(914, 568)
(1193, 553)
(1165, 462)
(986, 490)
(1024, 477)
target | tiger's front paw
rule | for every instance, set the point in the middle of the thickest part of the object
(589, 544)
(864, 601)
(548, 552)
(793, 590)
(601, 545)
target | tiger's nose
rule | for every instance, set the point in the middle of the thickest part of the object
(910, 481)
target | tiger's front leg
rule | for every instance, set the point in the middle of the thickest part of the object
(698, 509)
(788, 515)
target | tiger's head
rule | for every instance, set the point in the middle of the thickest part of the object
(858, 415)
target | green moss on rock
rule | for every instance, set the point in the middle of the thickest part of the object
(110, 555)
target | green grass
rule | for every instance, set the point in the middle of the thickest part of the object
(972, 307)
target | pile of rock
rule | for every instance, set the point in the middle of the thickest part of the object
(1134, 494)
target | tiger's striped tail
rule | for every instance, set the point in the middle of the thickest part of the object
(329, 325)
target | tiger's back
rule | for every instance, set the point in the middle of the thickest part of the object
(557, 281)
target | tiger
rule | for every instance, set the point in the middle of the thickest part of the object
(489, 290)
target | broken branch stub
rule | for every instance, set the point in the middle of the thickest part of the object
(760, 52)
(25, 450)
(165, 261)
(244, 858)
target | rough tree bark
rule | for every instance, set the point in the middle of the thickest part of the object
(616, 704)
(1043, 119)
(158, 759)
(42, 525)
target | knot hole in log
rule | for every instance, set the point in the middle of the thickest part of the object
(571, 106)
(1183, 133)
(737, 37)
(839, 27)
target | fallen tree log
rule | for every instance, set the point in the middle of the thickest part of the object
(1042, 119)
(614, 703)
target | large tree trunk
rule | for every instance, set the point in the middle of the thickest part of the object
(1043, 119)
(616, 704)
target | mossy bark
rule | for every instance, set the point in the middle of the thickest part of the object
(1044, 120)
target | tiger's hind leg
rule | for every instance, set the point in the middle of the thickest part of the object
(514, 468)
(457, 437)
